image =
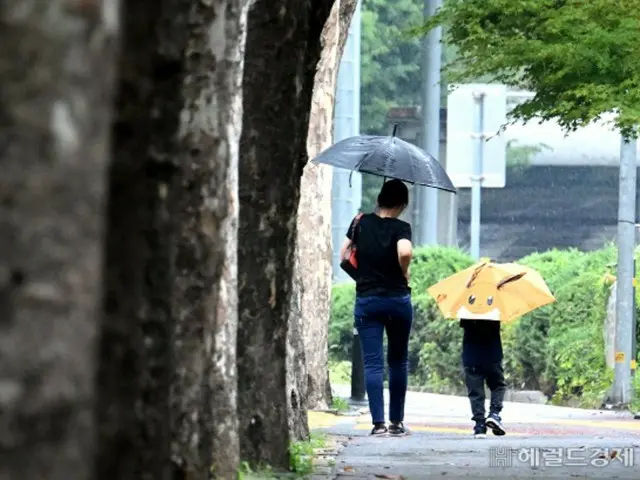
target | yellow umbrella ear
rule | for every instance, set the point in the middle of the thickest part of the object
(475, 274)
(510, 279)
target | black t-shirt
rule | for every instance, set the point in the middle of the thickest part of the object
(481, 343)
(379, 271)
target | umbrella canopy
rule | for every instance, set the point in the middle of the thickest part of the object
(491, 291)
(389, 157)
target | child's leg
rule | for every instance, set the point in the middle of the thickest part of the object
(495, 381)
(497, 385)
(474, 379)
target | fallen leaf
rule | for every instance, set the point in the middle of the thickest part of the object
(614, 454)
(347, 469)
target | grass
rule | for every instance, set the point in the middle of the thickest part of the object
(340, 404)
(301, 461)
(245, 472)
(302, 454)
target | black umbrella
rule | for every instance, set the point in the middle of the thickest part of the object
(389, 157)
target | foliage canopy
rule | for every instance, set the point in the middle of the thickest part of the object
(390, 64)
(580, 57)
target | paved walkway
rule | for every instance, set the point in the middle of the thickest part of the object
(542, 442)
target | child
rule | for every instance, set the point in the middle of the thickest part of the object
(482, 361)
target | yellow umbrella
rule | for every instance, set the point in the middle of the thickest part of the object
(491, 291)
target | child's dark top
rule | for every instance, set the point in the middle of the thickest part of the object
(481, 343)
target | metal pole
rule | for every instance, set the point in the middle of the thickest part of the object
(476, 179)
(357, 369)
(634, 327)
(431, 65)
(346, 189)
(624, 298)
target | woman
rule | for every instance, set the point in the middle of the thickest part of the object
(383, 301)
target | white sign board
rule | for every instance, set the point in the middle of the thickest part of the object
(461, 143)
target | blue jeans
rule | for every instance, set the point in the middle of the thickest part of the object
(373, 315)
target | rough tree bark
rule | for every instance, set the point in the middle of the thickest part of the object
(168, 346)
(206, 221)
(57, 64)
(283, 49)
(313, 246)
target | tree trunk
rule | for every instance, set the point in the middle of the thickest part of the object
(206, 221)
(283, 49)
(313, 250)
(168, 346)
(56, 73)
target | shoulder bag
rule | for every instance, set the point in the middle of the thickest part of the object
(349, 263)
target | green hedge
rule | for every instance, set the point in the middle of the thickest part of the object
(558, 349)
(429, 266)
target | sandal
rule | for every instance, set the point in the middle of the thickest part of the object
(379, 429)
(398, 429)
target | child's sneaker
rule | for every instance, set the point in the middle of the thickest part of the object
(480, 431)
(494, 422)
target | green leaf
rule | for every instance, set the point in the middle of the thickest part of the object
(580, 58)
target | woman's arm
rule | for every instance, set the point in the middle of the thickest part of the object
(405, 252)
(405, 249)
(345, 245)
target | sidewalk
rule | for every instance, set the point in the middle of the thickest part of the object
(441, 444)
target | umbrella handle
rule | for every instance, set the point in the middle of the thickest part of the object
(395, 129)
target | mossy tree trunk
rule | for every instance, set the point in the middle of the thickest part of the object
(283, 50)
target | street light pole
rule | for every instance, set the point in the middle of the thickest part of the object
(358, 386)
(431, 66)
(476, 179)
(624, 298)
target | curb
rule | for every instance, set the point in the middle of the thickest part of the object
(324, 462)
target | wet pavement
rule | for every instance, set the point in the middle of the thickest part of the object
(542, 442)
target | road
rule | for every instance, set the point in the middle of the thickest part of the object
(543, 441)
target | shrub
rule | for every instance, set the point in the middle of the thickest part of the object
(576, 365)
(341, 322)
(340, 373)
(548, 343)
(441, 339)
(558, 349)
(527, 355)
(635, 405)
(434, 345)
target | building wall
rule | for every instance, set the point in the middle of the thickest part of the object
(542, 208)
(560, 204)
